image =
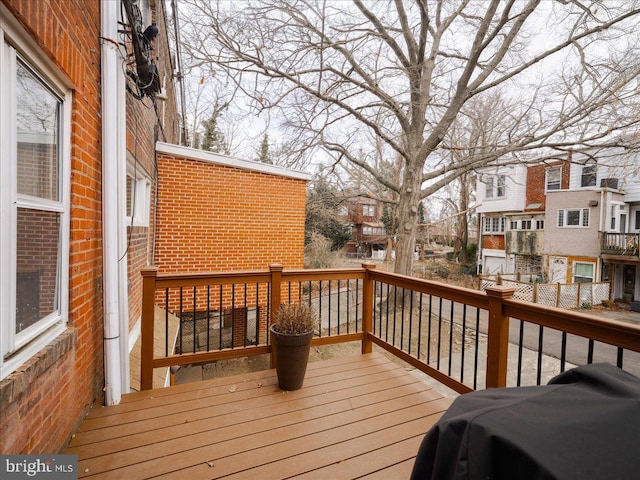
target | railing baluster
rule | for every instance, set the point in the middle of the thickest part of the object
(246, 318)
(429, 332)
(439, 333)
(339, 312)
(257, 315)
(195, 301)
(233, 315)
(563, 351)
(386, 331)
(329, 309)
(395, 310)
(209, 317)
(166, 322)
(520, 349)
(349, 305)
(475, 361)
(540, 350)
(402, 319)
(420, 324)
(220, 319)
(357, 290)
(464, 331)
(410, 318)
(450, 338)
(590, 353)
(320, 305)
(619, 357)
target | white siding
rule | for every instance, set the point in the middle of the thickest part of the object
(515, 190)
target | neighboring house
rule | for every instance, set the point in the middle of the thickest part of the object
(500, 192)
(83, 209)
(368, 234)
(578, 223)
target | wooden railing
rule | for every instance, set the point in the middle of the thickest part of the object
(620, 243)
(463, 338)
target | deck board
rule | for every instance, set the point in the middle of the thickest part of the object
(354, 416)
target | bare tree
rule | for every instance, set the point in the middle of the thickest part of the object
(404, 71)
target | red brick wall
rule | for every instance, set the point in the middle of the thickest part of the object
(42, 403)
(219, 218)
(536, 177)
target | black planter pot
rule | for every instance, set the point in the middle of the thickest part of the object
(291, 354)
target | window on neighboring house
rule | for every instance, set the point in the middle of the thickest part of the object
(513, 225)
(526, 225)
(637, 220)
(588, 178)
(613, 217)
(554, 177)
(539, 224)
(34, 205)
(573, 217)
(494, 224)
(369, 210)
(583, 272)
(495, 186)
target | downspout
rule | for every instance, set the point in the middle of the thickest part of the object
(110, 160)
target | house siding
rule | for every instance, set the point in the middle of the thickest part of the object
(44, 400)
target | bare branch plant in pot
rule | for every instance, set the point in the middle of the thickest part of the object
(291, 333)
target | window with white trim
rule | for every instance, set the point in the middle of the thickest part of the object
(495, 186)
(583, 272)
(553, 178)
(573, 217)
(34, 202)
(494, 224)
(369, 210)
(138, 198)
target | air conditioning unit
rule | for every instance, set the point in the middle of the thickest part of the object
(609, 183)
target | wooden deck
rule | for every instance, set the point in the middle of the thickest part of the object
(355, 417)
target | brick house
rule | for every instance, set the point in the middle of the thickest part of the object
(79, 165)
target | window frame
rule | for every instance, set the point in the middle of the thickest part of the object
(495, 186)
(563, 216)
(558, 182)
(140, 196)
(16, 45)
(494, 225)
(593, 272)
(366, 209)
(588, 175)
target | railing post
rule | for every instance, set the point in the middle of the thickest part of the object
(276, 296)
(367, 308)
(149, 275)
(498, 341)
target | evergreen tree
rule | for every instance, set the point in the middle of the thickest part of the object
(265, 155)
(213, 140)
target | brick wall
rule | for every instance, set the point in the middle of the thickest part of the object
(42, 402)
(219, 218)
(536, 178)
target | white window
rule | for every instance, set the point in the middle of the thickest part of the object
(553, 178)
(138, 198)
(637, 219)
(539, 224)
(513, 225)
(495, 186)
(369, 210)
(35, 125)
(573, 217)
(526, 224)
(494, 224)
(583, 272)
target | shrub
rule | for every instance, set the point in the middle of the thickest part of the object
(294, 319)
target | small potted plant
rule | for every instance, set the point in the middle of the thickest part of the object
(291, 333)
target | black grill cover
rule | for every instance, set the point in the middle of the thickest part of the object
(584, 425)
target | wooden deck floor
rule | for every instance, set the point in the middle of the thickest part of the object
(355, 417)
